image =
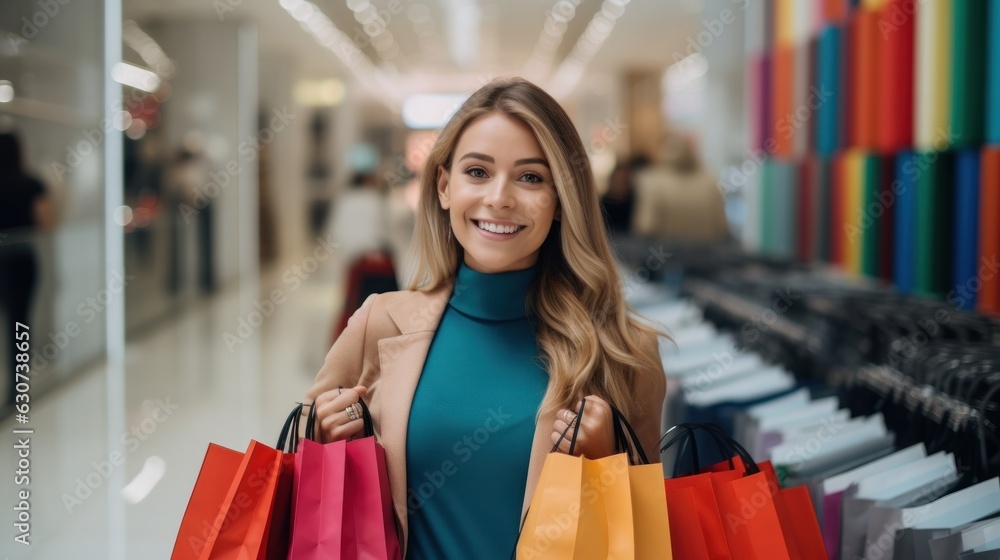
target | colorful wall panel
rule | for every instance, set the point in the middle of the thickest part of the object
(896, 177)
(966, 222)
(989, 227)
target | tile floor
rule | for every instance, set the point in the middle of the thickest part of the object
(211, 394)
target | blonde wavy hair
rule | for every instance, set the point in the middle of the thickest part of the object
(590, 340)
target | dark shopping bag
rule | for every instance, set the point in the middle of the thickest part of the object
(239, 507)
(342, 506)
(743, 498)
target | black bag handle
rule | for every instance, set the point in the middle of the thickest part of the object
(726, 444)
(575, 424)
(291, 426)
(627, 440)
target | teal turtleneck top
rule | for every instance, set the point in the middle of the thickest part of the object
(472, 421)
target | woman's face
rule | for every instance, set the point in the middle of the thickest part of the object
(499, 193)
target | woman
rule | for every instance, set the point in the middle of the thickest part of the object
(514, 313)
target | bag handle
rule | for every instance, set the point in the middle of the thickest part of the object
(726, 444)
(291, 426)
(627, 440)
(575, 424)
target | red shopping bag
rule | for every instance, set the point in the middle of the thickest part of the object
(796, 514)
(218, 470)
(743, 498)
(239, 507)
(696, 530)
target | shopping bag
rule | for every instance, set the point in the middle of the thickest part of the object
(240, 504)
(322, 528)
(583, 509)
(240, 528)
(218, 470)
(744, 497)
(342, 506)
(369, 496)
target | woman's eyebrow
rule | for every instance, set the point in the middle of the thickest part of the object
(478, 155)
(532, 160)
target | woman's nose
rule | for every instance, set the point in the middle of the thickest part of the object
(500, 194)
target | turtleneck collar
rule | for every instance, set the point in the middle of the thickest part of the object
(498, 296)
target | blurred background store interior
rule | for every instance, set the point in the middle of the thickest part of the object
(209, 172)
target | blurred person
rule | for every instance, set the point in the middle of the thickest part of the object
(618, 203)
(186, 180)
(679, 201)
(359, 228)
(359, 219)
(25, 208)
(514, 314)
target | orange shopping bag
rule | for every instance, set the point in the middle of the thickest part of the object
(585, 509)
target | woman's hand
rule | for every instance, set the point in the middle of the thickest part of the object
(597, 433)
(333, 423)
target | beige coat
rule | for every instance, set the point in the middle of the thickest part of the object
(384, 347)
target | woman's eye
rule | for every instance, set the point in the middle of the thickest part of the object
(533, 178)
(476, 172)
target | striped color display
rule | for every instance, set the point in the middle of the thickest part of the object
(828, 76)
(934, 216)
(885, 212)
(966, 221)
(932, 106)
(989, 227)
(866, 46)
(837, 215)
(993, 75)
(968, 102)
(895, 77)
(822, 227)
(869, 214)
(905, 261)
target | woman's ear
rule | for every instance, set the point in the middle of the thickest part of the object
(442, 185)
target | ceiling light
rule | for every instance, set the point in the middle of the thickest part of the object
(133, 76)
(6, 91)
(430, 110)
(319, 93)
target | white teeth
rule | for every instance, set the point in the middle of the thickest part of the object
(497, 228)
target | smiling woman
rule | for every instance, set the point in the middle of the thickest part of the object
(515, 313)
(500, 194)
